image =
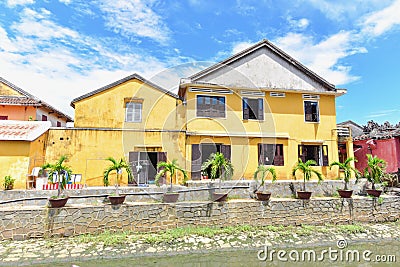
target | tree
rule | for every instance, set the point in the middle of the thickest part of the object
(375, 170)
(264, 171)
(307, 170)
(117, 166)
(172, 168)
(61, 171)
(347, 168)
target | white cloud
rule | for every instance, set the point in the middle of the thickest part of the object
(300, 24)
(67, 2)
(340, 10)
(382, 21)
(322, 57)
(56, 63)
(238, 47)
(134, 19)
(13, 3)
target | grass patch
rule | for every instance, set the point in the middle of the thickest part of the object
(351, 229)
(108, 238)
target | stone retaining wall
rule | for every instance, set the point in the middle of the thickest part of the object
(28, 222)
(279, 189)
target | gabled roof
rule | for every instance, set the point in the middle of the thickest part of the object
(27, 100)
(123, 80)
(274, 49)
(350, 122)
(22, 130)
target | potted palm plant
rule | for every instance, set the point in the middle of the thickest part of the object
(8, 182)
(59, 173)
(374, 173)
(221, 168)
(263, 171)
(347, 169)
(117, 166)
(172, 168)
(307, 171)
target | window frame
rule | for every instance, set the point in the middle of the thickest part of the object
(323, 154)
(305, 114)
(259, 99)
(134, 103)
(261, 160)
(211, 100)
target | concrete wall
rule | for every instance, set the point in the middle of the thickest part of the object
(29, 222)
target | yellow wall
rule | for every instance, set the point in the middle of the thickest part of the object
(87, 149)
(283, 118)
(107, 109)
(6, 90)
(17, 158)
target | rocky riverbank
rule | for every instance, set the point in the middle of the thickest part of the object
(188, 240)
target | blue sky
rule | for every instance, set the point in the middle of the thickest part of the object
(58, 50)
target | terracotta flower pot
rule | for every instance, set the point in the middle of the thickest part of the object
(263, 196)
(374, 192)
(116, 200)
(345, 193)
(58, 202)
(219, 197)
(303, 194)
(170, 197)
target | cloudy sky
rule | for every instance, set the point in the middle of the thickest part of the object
(59, 50)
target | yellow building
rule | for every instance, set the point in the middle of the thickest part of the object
(260, 106)
(131, 118)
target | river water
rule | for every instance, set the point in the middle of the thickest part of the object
(341, 254)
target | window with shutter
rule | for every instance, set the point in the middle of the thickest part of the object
(311, 111)
(210, 106)
(196, 162)
(270, 154)
(253, 109)
(314, 152)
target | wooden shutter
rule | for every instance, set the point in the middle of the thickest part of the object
(278, 159)
(226, 151)
(325, 160)
(308, 110)
(133, 160)
(261, 158)
(161, 156)
(246, 109)
(260, 109)
(196, 162)
(302, 153)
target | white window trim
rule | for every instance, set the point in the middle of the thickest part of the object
(254, 97)
(226, 114)
(304, 111)
(133, 113)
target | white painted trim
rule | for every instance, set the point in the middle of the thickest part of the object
(239, 134)
(210, 91)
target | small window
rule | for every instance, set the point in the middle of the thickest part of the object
(253, 109)
(314, 152)
(58, 124)
(311, 111)
(270, 154)
(133, 112)
(210, 106)
(44, 118)
(3, 118)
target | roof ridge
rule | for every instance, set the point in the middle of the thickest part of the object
(275, 50)
(120, 81)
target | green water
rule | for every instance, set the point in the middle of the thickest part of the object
(387, 251)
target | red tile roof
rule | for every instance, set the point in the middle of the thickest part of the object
(22, 130)
(18, 101)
